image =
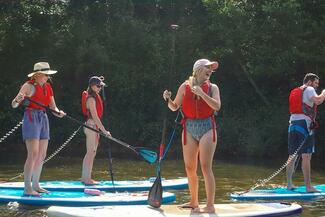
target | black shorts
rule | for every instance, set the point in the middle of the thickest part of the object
(297, 134)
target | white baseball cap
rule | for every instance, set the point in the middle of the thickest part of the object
(203, 63)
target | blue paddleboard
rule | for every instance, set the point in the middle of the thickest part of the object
(65, 198)
(221, 210)
(145, 185)
(280, 194)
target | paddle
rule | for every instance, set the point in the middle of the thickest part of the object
(147, 155)
(110, 162)
(156, 190)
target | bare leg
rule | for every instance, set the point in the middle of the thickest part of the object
(88, 161)
(43, 144)
(305, 166)
(290, 170)
(32, 146)
(207, 148)
(190, 154)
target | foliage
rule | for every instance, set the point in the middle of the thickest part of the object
(264, 48)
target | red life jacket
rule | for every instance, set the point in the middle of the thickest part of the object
(99, 105)
(194, 107)
(296, 105)
(42, 95)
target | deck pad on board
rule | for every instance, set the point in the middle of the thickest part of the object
(142, 185)
(65, 198)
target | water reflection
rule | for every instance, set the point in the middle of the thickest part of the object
(230, 177)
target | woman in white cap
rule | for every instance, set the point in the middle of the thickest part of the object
(199, 100)
(92, 109)
(35, 129)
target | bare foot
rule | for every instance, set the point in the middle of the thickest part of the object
(31, 193)
(188, 206)
(207, 209)
(312, 190)
(90, 182)
(291, 187)
(41, 190)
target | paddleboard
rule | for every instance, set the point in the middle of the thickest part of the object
(65, 198)
(281, 193)
(222, 210)
(144, 185)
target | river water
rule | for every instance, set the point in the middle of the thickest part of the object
(230, 177)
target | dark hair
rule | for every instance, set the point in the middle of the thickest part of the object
(90, 91)
(310, 77)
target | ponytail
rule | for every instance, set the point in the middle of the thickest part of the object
(192, 80)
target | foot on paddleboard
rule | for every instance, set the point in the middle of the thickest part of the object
(41, 190)
(31, 194)
(312, 190)
(207, 209)
(90, 183)
(291, 188)
(187, 206)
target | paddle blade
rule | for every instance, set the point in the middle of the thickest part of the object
(155, 193)
(149, 156)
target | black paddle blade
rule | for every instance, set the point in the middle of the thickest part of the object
(149, 156)
(155, 193)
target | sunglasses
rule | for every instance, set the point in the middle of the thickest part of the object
(99, 86)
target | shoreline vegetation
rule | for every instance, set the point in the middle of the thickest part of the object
(264, 49)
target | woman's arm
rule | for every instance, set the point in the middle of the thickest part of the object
(91, 105)
(53, 106)
(25, 90)
(214, 101)
(177, 102)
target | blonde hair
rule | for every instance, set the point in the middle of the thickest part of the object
(192, 80)
(33, 78)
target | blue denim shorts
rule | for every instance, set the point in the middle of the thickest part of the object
(298, 134)
(198, 127)
(35, 125)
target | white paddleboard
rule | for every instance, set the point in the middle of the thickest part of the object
(222, 210)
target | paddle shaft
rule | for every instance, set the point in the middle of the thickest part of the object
(88, 127)
(110, 162)
(156, 191)
(163, 136)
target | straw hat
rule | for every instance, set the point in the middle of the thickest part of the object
(42, 67)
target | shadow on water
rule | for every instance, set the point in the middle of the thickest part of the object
(237, 175)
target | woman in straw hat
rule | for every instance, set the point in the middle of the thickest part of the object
(92, 109)
(199, 99)
(35, 128)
